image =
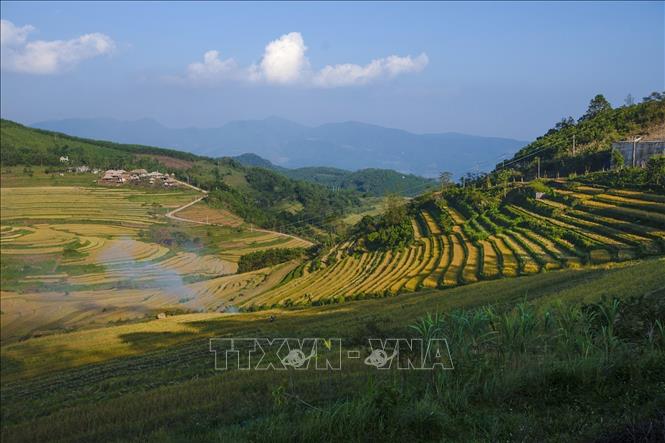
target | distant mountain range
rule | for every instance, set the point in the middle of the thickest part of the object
(347, 145)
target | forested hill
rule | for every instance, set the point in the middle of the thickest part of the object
(250, 159)
(594, 132)
(370, 182)
(260, 196)
(22, 145)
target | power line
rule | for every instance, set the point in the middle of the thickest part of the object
(523, 157)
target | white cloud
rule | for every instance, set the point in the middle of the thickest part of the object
(284, 62)
(212, 68)
(11, 35)
(351, 74)
(48, 57)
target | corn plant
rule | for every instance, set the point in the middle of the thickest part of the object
(428, 327)
(608, 338)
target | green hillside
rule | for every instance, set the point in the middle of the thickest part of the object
(260, 196)
(270, 199)
(21, 145)
(594, 132)
(369, 182)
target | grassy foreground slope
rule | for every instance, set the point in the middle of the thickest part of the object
(540, 365)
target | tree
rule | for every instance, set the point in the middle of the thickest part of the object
(656, 170)
(597, 105)
(471, 179)
(502, 177)
(617, 159)
(654, 96)
(564, 123)
(395, 210)
(446, 180)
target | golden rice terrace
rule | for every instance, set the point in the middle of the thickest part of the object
(611, 225)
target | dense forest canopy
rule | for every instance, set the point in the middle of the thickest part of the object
(271, 200)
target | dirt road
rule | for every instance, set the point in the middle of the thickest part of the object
(172, 216)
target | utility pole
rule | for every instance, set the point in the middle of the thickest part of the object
(573, 144)
(635, 140)
(538, 159)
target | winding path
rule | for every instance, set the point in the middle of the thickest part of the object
(172, 216)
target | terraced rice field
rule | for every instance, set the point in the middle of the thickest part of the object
(122, 276)
(201, 212)
(107, 270)
(89, 205)
(257, 240)
(617, 225)
(116, 250)
(34, 313)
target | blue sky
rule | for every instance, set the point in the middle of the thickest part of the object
(500, 69)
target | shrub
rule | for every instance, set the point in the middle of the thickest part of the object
(656, 171)
(267, 257)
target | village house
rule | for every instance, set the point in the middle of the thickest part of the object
(64, 159)
(114, 177)
(82, 169)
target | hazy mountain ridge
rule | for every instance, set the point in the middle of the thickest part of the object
(346, 145)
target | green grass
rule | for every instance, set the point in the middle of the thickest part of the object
(156, 381)
(16, 176)
(368, 206)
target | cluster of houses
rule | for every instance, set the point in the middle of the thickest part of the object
(120, 177)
